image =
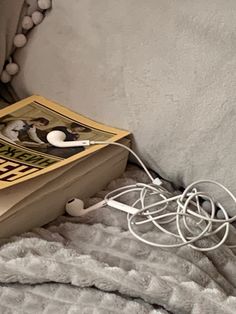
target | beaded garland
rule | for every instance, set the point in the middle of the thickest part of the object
(35, 15)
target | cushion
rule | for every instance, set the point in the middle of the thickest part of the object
(163, 69)
(10, 13)
(16, 24)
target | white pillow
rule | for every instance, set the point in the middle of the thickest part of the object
(164, 69)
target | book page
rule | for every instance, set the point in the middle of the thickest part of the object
(24, 150)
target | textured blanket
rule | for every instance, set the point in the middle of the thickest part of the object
(94, 265)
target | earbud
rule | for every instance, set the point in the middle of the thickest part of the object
(57, 138)
(75, 207)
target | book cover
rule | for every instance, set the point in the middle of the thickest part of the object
(24, 150)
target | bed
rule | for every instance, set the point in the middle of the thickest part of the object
(166, 72)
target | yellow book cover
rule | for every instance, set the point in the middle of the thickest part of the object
(24, 150)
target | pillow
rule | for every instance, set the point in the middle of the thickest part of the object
(10, 13)
(17, 21)
(163, 69)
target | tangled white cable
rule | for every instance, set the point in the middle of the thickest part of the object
(180, 216)
(192, 222)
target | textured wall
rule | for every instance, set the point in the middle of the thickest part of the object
(164, 69)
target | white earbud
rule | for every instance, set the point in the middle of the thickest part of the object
(57, 138)
(75, 207)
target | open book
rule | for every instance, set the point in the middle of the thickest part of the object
(36, 178)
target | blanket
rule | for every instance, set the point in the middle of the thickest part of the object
(94, 265)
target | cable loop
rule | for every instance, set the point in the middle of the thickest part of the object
(178, 216)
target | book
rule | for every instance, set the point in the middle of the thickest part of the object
(36, 178)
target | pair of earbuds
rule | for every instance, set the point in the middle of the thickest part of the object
(75, 207)
(195, 214)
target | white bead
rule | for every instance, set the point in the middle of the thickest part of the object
(37, 17)
(5, 77)
(27, 23)
(44, 4)
(20, 40)
(12, 68)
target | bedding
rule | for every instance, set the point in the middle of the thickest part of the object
(164, 69)
(94, 265)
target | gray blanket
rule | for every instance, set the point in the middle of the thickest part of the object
(94, 265)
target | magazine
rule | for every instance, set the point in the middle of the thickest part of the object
(24, 150)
